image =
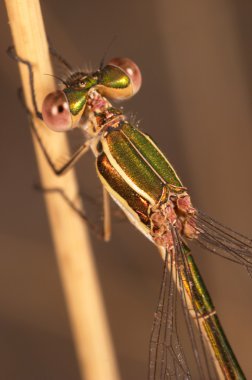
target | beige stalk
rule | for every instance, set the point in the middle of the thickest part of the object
(70, 235)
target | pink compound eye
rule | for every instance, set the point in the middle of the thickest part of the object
(56, 113)
(131, 69)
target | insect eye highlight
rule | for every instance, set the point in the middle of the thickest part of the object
(82, 83)
(56, 113)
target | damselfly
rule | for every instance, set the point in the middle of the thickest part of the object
(138, 177)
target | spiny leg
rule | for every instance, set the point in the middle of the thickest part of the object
(106, 215)
(106, 231)
(12, 54)
(77, 154)
(69, 163)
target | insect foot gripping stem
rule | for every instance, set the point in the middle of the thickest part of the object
(177, 212)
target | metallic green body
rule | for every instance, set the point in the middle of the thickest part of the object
(140, 161)
(112, 76)
(152, 155)
(133, 165)
(131, 168)
(211, 324)
(135, 172)
(76, 99)
(134, 201)
(139, 178)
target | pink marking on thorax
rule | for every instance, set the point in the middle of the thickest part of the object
(101, 107)
(177, 212)
(161, 219)
(184, 205)
(97, 103)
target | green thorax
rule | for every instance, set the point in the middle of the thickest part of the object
(139, 161)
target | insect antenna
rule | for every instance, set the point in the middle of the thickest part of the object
(62, 60)
(106, 52)
(56, 77)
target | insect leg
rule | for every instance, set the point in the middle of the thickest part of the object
(104, 233)
(106, 215)
(12, 54)
(69, 163)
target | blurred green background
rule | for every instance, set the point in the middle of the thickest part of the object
(196, 60)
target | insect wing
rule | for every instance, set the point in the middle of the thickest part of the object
(223, 241)
(177, 345)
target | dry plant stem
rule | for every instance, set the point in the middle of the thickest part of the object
(71, 241)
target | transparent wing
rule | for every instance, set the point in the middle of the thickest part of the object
(223, 241)
(166, 355)
(177, 345)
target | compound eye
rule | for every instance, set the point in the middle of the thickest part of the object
(56, 113)
(131, 69)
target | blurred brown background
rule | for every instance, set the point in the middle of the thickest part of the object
(196, 61)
